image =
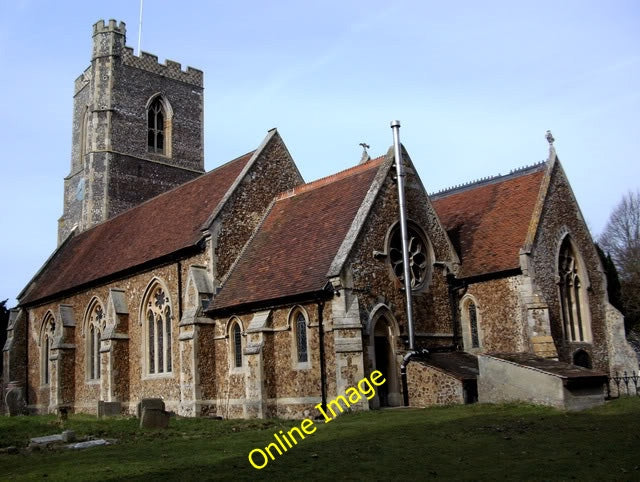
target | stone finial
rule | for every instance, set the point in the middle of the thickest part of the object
(365, 155)
(550, 138)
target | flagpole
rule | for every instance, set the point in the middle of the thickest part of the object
(140, 29)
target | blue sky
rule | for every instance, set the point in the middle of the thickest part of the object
(475, 84)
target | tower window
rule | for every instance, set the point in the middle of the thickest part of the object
(156, 126)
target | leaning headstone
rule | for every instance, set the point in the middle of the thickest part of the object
(14, 400)
(154, 418)
(109, 409)
(68, 436)
(155, 403)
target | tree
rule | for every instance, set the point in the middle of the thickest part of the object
(614, 290)
(621, 240)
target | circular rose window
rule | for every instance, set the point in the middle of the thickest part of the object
(418, 256)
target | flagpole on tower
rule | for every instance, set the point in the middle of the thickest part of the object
(140, 28)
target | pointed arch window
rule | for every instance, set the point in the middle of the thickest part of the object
(300, 331)
(158, 338)
(574, 306)
(473, 324)
(96, 322)
(471, 331)
(235, 344)
(159, 125)
(155, 126)
(46, 342)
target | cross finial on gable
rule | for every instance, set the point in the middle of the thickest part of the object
(550, 138)
(365, 155)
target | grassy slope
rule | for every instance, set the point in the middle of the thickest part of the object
(486, 442)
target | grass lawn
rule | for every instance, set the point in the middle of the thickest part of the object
(478, 442)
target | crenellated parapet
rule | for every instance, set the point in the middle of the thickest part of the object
(170, 69)
(112, 26)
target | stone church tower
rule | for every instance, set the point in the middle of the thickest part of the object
(137, 131)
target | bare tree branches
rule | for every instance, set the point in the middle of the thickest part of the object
(621, 239)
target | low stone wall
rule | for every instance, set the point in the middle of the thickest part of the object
(504, 381)
(429, 386)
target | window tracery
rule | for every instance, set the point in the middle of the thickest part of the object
(159, 336)
(96, 323)
(156, 126)
(573, 296)
(46, 342)
(419, 256)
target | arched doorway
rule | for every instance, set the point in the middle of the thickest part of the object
(383, 340)
(582, 359)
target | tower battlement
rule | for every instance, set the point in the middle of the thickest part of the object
(111, 26)
(170, 68)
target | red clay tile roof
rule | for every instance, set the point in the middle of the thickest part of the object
(488, 223)
(298, 239)
(155, 228)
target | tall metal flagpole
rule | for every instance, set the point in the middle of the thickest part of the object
(395, 126)
(140, 29)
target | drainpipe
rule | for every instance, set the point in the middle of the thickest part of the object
(395, 126)
(457, 290)
(323, 376)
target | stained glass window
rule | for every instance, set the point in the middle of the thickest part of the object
(301, 338)
(473, 324)
(237, 343)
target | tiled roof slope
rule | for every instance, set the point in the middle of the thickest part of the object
(155, 228)
(488, 222)
(298, 239)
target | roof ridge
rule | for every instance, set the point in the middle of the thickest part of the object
(513, 173)
(323, 181)
(175, 188)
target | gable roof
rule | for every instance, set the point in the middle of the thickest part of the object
(156, 228)
(488, 221)
(294, 247)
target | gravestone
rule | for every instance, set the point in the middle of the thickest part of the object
(154, 418)
(14, 399)
(155, 403)
(109, 409)
(63, 414)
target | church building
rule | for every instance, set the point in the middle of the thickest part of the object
(247, 292)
